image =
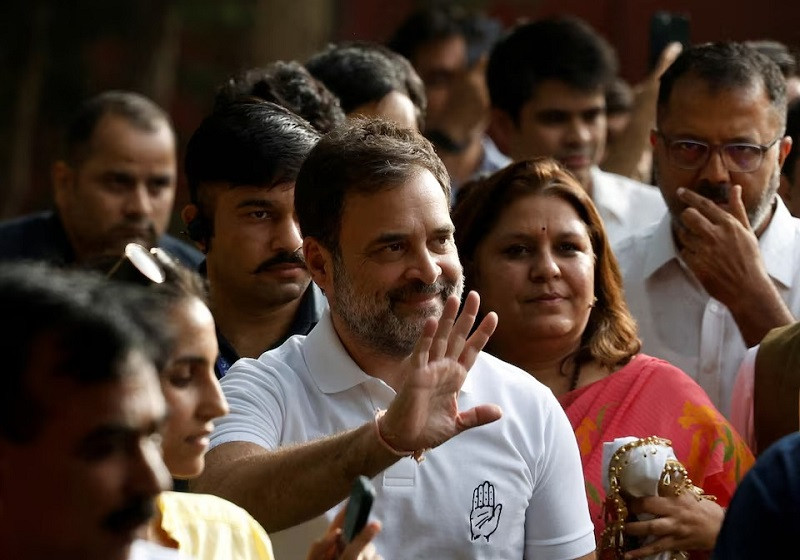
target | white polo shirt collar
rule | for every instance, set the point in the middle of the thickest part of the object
(329, 364)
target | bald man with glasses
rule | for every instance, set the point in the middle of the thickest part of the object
(722, 268)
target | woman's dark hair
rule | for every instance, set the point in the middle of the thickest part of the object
(610, 336)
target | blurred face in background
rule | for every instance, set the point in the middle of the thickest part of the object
(122, 191)
(561, 122)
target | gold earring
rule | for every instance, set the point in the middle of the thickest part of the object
(594, 302)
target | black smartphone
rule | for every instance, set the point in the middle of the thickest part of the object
(666, 28)
(358, 507)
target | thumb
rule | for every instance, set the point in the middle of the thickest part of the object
(361, 541)
(667, 57)
(478, 416)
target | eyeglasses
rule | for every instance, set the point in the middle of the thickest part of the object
(739, 157)
(140, 266)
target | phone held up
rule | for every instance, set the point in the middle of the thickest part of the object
(362, 495)
(666, 28)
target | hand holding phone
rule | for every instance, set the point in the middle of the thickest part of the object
(359, 505)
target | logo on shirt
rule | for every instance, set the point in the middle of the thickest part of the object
(485, 515)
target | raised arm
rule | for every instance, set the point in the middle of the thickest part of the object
(290, 485)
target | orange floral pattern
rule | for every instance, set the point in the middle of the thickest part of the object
(650, 397)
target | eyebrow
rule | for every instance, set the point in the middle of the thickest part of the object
(567, 233)
(734, 140)
(256, 202)
(199, 360)
(393, 237)
(119, 430)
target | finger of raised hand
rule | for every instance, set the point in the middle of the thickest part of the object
(441, 339)
(694, 226)
(463, 326)
(706, 207)
(360, 548)
(667, 57)
(421, 353)
(738, 210)
(477, 340)
(478, 416)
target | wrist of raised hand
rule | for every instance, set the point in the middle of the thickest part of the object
(389, 446)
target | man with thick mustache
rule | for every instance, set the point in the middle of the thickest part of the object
(114, 184)
(241, 164)
(723, 267)
(391, 374)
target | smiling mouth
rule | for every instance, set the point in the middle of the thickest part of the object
(575, 161)
(549, 298)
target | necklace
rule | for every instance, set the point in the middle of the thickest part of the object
(573, 381)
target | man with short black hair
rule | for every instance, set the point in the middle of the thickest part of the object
(449, 46)
(390, 374)
(371, 80)
(547, 83)
(80, 410)
(241, 164)
(114, 185)
(722, 268)
(289, 84)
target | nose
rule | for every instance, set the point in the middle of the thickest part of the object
(288, 236)
(714, 169)
(212, 401)
(545, 267)
(578, 132)
(149, 475)
(138, 201)
(425, 266)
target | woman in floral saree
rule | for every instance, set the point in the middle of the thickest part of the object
(535, 248)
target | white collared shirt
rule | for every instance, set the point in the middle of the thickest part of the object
(626, 206)
(309, 388)
(679, 322)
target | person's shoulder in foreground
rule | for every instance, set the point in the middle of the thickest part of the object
(209, 527)
(764, 515)
(33, 236)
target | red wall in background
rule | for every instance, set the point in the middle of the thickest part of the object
(625, 23)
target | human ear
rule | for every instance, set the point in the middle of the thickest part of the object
(63, 178)
(502, 129)
(195, 226)
(319, 261)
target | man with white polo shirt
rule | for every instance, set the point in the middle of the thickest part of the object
(389, 375)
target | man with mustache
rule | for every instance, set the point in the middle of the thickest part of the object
(547, 84)
(723, 267)
(391, 374)
(114, 184)
(80, 455)
(241, 164)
